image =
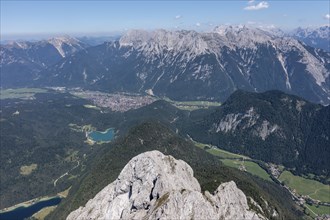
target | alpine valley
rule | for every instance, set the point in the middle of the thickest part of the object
(232, 123)
(182, 65)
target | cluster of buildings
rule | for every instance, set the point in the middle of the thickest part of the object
(116, 101)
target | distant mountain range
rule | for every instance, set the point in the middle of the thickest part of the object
(93, 41)
(315, 37)
(318, 37)
(183, 65)
(21, 62)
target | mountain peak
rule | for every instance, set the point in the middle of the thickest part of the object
(223, 29)
(314, 36)
(63, 39)
(322, 31)
(19, 44)
(155, 186)
(242, 35)
(155, 42)
(61, 43)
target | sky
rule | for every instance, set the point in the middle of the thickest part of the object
(26, 18)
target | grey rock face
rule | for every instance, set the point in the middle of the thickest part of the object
(187, 65)
(21, 62)
(316, 37)
(155, 186)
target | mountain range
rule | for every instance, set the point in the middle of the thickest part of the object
(273, 120)
(22, 61)
(315, 37)
(271, 126)
(187, 65)
(182, 65)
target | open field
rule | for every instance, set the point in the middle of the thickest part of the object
(192, 105)
(225, 154)
(255, 169)
(320, 210)
(64, 193)
(232, 163)
(27, 170)
(220, 153)
(249, 166)
(41, 215)
(21, 93)
(236, 160)
(307, 187)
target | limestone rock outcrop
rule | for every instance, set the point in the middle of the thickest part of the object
(155, 186)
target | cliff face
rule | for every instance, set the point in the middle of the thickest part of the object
(155, 186)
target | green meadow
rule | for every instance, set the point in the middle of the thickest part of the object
(236, 161)
(192, 105)
(21, 93)
(319, 210)
(307, 187)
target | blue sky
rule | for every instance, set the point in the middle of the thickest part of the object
(32, 18)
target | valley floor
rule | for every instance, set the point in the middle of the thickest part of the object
(310, 194)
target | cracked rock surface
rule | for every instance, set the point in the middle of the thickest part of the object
(155, 186)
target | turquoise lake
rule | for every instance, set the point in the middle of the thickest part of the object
(105, 136)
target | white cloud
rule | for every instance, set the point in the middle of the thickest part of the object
(250, 2)
(178, 17)
(198, 24)
(251, 22)
(260, 5)
(327, 16)
(271, 26)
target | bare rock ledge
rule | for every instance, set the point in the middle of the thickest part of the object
(155, 186)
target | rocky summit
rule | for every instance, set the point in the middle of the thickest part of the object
(155, 186)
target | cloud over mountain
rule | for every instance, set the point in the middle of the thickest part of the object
(260, 5)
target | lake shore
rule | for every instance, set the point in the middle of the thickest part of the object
(99, 140)
(27, 203)
(35, 200)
